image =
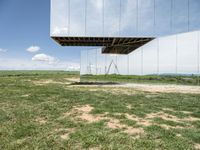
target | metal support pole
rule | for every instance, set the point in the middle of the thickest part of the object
(176, 54)
(142, 60)
(128, 64)
(188, 15)
(137, 17)
(103, 17)
(69, 17)
(85, 17)
(87, 63)
(120, 15)
(171, 22)
(198, 57)
(154, 16)
(96, 61)
(158, 56)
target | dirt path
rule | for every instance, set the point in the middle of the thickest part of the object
(153, 88)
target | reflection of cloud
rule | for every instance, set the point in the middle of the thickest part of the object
(58, 31)
(73, 68)
(3, 50)
(98, 4)
(130, 26)
(45, 58)
(33, 49)
(21, 64)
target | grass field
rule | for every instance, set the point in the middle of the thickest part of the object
(161, 79)
(44, 110)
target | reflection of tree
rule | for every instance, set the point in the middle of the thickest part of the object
(116, 71)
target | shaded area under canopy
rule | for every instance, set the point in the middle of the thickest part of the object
(111, 45)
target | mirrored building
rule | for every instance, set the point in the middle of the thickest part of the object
(135, 37)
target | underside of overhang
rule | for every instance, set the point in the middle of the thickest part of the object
(110, 45)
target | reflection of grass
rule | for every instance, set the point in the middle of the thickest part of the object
(31, 115)
(168, 79)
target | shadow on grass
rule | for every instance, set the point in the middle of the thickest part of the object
(95, 83)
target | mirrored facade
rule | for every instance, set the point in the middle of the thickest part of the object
(176, 54)
(123, 18)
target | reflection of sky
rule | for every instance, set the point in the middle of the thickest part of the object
(158, 56)
(131, 23)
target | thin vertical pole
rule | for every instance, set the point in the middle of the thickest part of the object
(69, 16)
(137, 17)
(96, 61)
(87, 61)
(116, 63)
(158, 56)
(128, 64)
(105, 63)
(103, 17)
(81, 63)
(141, 60)
(188, 15)
(133, 63)
(154, 16)
(85, 17)
(198, 61)
(120, 15)
(171, 22)
(176, 54)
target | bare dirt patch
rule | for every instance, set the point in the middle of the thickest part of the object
(73, 79)
(83, 113)
(169, 117)
(148, 120)
(44, 82)
(25, 95)
(197, 146)
(153, 88)
(67, 132)
(41, 121)
(172, 110)
(115, 124)
(94, 148)
(115, 91)
(129, 106)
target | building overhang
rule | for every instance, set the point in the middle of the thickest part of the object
(110, 45)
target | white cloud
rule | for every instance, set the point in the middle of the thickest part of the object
(3, 50)
(45, 58)
(25, 64)
(33, 49)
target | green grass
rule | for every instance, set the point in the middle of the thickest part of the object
(23, 103)
(161, 79)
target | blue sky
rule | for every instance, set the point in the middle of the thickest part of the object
(26, 23)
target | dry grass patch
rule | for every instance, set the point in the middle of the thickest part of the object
(73, 79)
(115, 91)
(115, 124)
(41, 121)
(44, 82)
(129, 106)
(169, 117)
(197, 146)
(172, 110)
(64, 133)
(149, 120)
(147, 88)
(83, 113)
(26, 95)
